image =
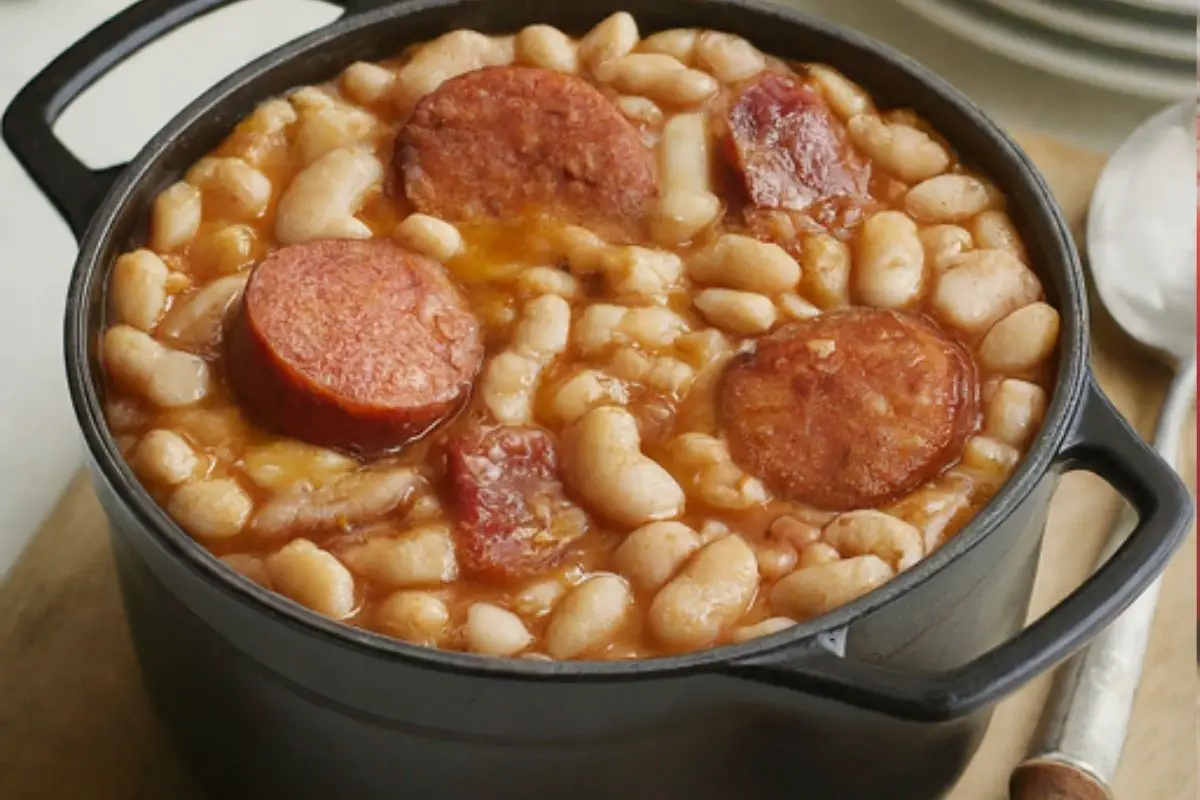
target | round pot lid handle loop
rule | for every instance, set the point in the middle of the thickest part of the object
(1102, 443)
(76, 190)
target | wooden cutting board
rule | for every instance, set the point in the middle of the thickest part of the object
(74, 722)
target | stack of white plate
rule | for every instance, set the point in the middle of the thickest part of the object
(1142, 47)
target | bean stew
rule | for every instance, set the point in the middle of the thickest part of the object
(599, 348)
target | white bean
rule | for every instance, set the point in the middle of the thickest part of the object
(704, 348)
(729, 58)
(652, 554)
(164, 457)
(711, 475)
(982, 287)
(607, 468)
(332, 125)
(818, 554)
(796, 307)
(612, 38)
(947, 198)
(768, 627)
(211, 509)
(165, 377)
(907, 152)
(224, 251)
(417, 617)
(744, 313)
(687, 204)
(775, 559)
(744, 263)
(711, 593)
(423, 556)
(346, 500)
(598, 328)
(588, 617)
(548, 280)
(263, 136)
(493, 631)
(196, 323)
(891, 261)
(286, 463)
(323, 198)
(430, 236)
(813, 591)
(936, 506)
(584, 251)
(993, 229)
(661, 78)
(825, 278)
(178, 282)
(794, 531)
(641, 109)
(538, 598)
(240, 189)
(544, 328)
(944, 244)
(988, 458)
(584, 391)
(139, 289)
(314, 578)
(664, 373)
(846, 98)
(1021, 341)
(448, 56)
(175, 217)
(678, 43)
(640, 274)
(1015, 412)
(546, 47)
(511, 377)
(367, 83)
(507, 387)
(601, 326)
(865, 532)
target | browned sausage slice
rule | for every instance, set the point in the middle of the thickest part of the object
(850, 409)
(352, 344)
(502, 142)
(791, 150)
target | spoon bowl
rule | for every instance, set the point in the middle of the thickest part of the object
(1141, 236)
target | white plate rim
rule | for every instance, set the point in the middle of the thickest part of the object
(1101, 27)
(1090, 69)
(1181, 7)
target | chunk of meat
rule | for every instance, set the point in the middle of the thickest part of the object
(850, 409)
(503, 142)
(791, 150)
(352, 344)
(338, 504)
(514, 518)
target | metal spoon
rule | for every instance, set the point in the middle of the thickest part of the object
(1087, 717)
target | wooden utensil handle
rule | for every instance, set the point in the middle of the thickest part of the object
(1051, 778)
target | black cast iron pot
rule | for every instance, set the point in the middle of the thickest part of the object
(887, 697)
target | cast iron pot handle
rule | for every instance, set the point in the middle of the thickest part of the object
(75, 190)
(1102, 443)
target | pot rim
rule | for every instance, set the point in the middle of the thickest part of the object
(111, 467)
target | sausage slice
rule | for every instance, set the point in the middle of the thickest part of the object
(514, 518)
(502, 142)
(790, 149)
(850, 409)
(352, 344)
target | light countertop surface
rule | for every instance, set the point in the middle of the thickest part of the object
(39, 444)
